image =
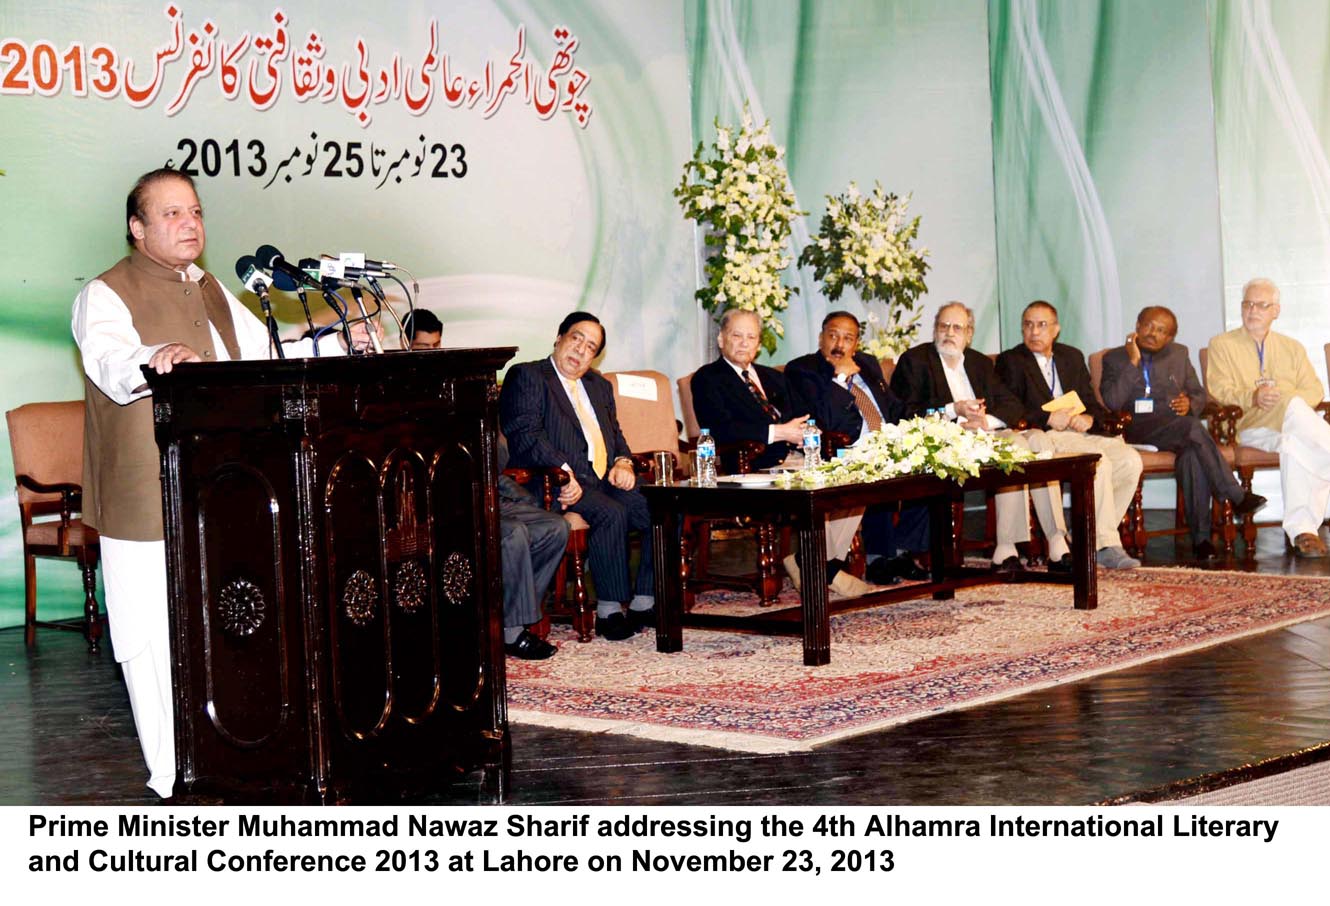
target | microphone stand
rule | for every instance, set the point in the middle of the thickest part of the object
(271, 322)
(364, 319)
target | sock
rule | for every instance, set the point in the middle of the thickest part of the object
(642, 602)
(606, 609)
(1003, 551)
(512, 633)
(1057, 546)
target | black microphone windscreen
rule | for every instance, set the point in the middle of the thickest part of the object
(267, 254)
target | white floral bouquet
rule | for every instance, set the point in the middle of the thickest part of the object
(866, 242)
(740, 191)
(919, 446)
(888, 341)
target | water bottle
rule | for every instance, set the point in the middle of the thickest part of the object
(812, 444)
(706, 459)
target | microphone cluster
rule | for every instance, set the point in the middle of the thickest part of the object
(268, 268)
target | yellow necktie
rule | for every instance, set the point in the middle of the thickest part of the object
(592, 427)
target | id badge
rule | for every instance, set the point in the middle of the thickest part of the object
(1145, 406)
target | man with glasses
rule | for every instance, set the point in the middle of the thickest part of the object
(949, 377)
(1151, 377)
(1041, 370)
(1269, 375)
(558, 413)
(848, 394)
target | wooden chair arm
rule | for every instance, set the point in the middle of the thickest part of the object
(1222, 422)
(1115, 424)
(550, 477)
(747, 450)
(71, 495)
(1324, 409)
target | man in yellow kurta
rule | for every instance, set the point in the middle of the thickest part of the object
(1271, 378)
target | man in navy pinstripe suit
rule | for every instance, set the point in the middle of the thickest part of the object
(558, 413)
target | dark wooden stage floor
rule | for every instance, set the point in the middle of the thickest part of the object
(68, 737)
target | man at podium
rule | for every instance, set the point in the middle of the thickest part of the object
(155, 307)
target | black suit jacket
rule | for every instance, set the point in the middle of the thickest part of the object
(542, 427)
(920, 381)
(723, 403)
(813, 379)
(1025, 379)
(1122, 383)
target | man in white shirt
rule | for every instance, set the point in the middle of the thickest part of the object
(157, 308)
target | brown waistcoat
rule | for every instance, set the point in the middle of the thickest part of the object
(122, 495)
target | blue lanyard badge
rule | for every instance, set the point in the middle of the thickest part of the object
(1145, 405)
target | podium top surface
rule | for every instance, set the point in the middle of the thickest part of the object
(432, 362)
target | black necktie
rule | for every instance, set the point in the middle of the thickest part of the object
(772, 412)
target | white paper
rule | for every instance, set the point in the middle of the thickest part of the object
(636, 387)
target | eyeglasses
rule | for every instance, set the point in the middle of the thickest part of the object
(1259, 306)
(1037, 325)
(946, 327)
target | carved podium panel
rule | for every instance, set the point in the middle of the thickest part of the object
(333, 563)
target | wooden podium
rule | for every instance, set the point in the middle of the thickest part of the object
(333, 564)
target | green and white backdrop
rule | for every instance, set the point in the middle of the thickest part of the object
(518, 157)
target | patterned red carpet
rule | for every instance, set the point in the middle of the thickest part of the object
(895, 663)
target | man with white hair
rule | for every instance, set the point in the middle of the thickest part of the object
(1269, 375)
(947, 375)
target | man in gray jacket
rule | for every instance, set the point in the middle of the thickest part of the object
(1151, 377)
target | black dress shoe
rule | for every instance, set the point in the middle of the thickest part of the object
(615, 627)
(880, 572)
(1249, 504)
(1061, 565)
(530, 647)
(642, 619)
(890, 570)
(1204, 550)
(1009, 566)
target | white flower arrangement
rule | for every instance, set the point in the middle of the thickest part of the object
(740, 191)
(919, 446)
(866, 242)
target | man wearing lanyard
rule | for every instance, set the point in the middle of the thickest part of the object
(1041, 370)
(948, 375)
(1269, 376)
(1151, 377)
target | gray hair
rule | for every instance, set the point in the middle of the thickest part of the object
(732, 313)
(969, 313)
(1263, 282)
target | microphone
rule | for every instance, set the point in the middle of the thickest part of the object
(358, 261)
(329, 276)
(247, 269)
(271, 259)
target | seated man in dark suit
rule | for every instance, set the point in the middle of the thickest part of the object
(740, 400)
(848, 394)
(1152, 378)
(1040, 370)
(947, 375)
(531, 544)
(558, 413)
